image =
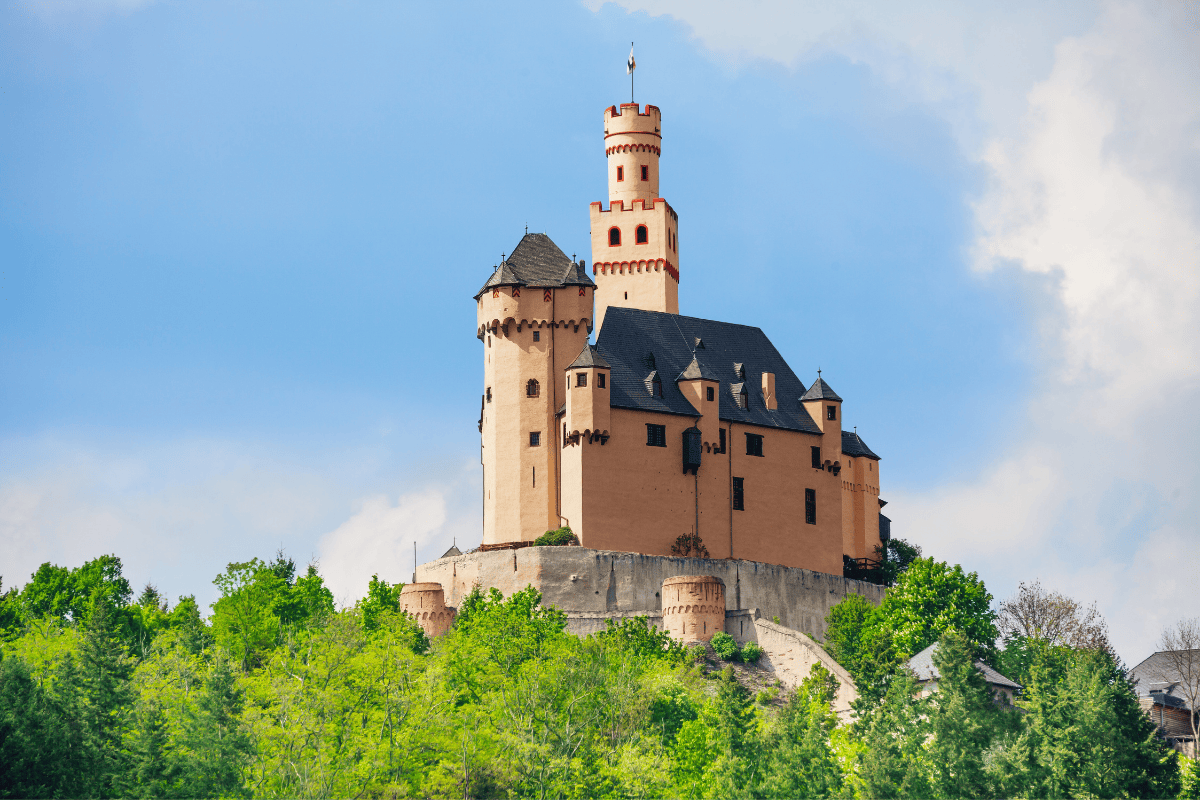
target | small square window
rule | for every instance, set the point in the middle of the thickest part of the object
(599, 380)
(810, 506)
(830, 412)
(535, 439)
(754, 443)
(656, 435)
(620, 173)
(645, 172)
(537, 336)
(710, 393)
(739, 495)
(581, 379)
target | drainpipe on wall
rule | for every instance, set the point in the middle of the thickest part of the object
(729, 447)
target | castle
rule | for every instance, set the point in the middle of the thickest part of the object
(668, 425)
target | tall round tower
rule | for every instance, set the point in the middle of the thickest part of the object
(632, 143)
(635, 241)
(693, 607)
(533, 318)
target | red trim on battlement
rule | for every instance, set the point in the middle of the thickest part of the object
(631, 133)
(623, 267)
(613, 109)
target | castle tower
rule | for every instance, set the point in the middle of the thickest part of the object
(635, 242)
(693, 607)
(533, 317)
(426, 602)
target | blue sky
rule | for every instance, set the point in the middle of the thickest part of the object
(239, 243)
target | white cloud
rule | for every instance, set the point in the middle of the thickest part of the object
(1085, 116)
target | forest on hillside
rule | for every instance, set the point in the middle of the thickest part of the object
(276, 693)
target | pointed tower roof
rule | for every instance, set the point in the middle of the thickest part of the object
(537, 261)
(695, 371)
(590, 357)
(821, 391)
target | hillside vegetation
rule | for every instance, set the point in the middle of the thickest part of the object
(279, 694)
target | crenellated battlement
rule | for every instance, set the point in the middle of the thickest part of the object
(633, 267)
(629, 118)
(635, 205)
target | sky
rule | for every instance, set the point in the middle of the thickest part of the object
(239, 243)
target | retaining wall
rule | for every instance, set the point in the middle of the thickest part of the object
(590, 584)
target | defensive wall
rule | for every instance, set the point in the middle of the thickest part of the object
(595, 585)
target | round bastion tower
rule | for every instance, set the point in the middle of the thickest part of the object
(693, 607)
(635, 241)
(426, 602)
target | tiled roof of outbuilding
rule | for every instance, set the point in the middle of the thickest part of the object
(1159, 674)
(922, 665)
(589, 357)
(853, 445)
(636, 342)
(537, 261)
(821, 391)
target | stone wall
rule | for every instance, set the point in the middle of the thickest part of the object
(588, 584)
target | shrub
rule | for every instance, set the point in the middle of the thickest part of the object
(559, 537)
(724, 646)
(751, 652)
(690, 544)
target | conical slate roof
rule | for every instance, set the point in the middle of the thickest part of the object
(537, 261)
(696, 371)
(821, 391)
(590, 357)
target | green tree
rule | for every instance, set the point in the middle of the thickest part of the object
(36, 758)
(800, 761)
(963, 719)
(381, 598)
(214, 737)
(735, 739)
(893, 760)
(931, 598)
(1084, 735)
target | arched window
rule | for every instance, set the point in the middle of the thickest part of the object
(532, 388)
(642, 234)
(614, 237)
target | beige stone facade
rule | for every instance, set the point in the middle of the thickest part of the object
(626, 441)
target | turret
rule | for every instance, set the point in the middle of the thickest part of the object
(588, 411)
(635, 241)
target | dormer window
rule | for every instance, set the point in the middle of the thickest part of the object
(614, 237)
(739, 394)
(740, 371)
(654, 384)
(642, 234)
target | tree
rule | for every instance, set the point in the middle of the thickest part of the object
(895, 558)
(893, 760)
(931, 598)
(799, 759)
(1035, 613)
(1083, 734)
(1180, 647)
(35, 747)
(963, 720)
(380, 598)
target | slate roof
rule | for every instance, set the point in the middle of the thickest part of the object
(453, 551)
(1158, 674)
(537, 261)
(637, 343)
(589, 357)
(695, 371)
(853, 445)
(922, 665)
(821, 391)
